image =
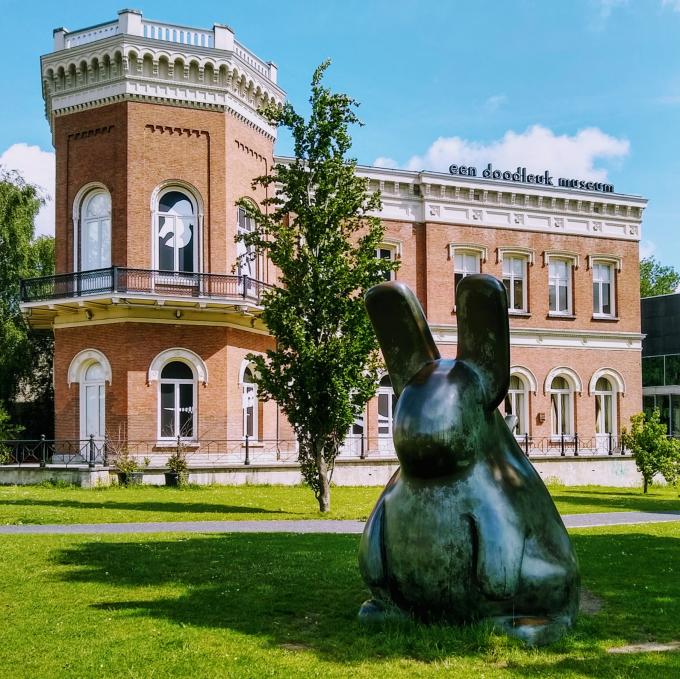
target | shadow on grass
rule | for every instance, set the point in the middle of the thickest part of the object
(303, 592)
(144, 506)
(633, 500)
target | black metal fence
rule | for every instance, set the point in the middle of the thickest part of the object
(250, 451)
(123, 280)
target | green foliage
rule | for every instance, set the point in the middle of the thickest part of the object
(656, 279)
(7, 431)
(317, 231)
(654, 452)
(25, 356)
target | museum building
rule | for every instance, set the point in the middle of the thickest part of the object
(157, 134)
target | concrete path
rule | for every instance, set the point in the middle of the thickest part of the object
(308, 526)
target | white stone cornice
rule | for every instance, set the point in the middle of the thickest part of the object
(554, 338)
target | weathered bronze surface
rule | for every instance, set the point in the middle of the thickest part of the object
(465, 530)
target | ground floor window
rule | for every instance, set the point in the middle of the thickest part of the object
(250, 404)
(561, 407)
(93, 403)
(517, 403)
(177, 401)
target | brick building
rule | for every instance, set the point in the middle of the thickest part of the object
(157, 135)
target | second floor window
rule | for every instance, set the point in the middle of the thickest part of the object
(603, 289)
(384, 252)
(514, 279)
(176, 233)
(464, 264)
(95, 231)
(247, 264)
(559, 286)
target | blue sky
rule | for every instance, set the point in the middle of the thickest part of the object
(587, 88)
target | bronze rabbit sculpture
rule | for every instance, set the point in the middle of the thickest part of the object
(465, 530)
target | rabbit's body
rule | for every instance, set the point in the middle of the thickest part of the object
(465, 530)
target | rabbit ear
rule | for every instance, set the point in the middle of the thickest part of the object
(402, 331)
(484, 333)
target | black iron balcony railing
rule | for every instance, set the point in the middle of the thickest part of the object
(118, 280)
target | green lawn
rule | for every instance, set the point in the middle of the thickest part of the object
(45, 504)
(285, 606)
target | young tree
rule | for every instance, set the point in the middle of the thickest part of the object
(25, 356)
(654, 452)
(317, 231)
(656, 279)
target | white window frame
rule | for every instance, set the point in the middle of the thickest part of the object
(100, 385)
(249, 390)
(84, 195)
(601, 396)
(554, 281)
(556, 431)
(194, 404)
(391, 250)
(466, 249)
(385, 441)
(596, 264)
(523, 416)
(509, 257)
(194, 197)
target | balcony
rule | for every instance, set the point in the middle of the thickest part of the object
(44, 298)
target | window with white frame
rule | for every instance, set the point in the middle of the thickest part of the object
(176, 223)
(250, 404)
(386, 403)
(246, 261)
(95, 231)
(93, 402)
(561, 407)
(559, 286)
(465, 262)
(177, 401)
(517, 403)
(603, 289)
(515, 281)
(605, 409)
(388, 253)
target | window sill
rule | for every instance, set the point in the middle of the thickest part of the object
(519, 314)
(606, 319)
(564, 317)
(252, 444)
(166, 443)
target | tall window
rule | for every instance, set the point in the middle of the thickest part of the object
(250, 404)
(388, 253)
(176, 232)
(561, 407)
(177, 401)
(603, 289)
(464, 264)
(92, 403)
(514, 279)
(247, 265)
(605, 412)
(559, 286)
(517, 403)
(386, 402)
(95, 231)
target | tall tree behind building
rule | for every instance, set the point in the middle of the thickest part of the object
(25, 356)
(656, 279)
(320, 237)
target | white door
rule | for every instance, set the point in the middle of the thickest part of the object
(92, 404)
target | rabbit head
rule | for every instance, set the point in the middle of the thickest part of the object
(445, 414)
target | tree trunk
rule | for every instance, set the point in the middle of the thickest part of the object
(324, 487)
(644, 484)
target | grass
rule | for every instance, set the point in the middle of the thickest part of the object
(49, 504)
(285, 605)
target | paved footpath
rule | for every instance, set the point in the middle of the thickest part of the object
(308, 526)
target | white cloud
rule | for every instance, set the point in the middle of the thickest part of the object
(37, 167)
(495, 102)
(384, 161)
(537, 148)
(673, 4)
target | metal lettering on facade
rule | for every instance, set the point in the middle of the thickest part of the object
(521, 176)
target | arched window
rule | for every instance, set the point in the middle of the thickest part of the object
(177, 401)
(561, 406)
(93, 402)
(176, 237)
(93, 227)
(91, 370)
(386, 403)
(605, 413)
(517, 403)
(250, 404)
